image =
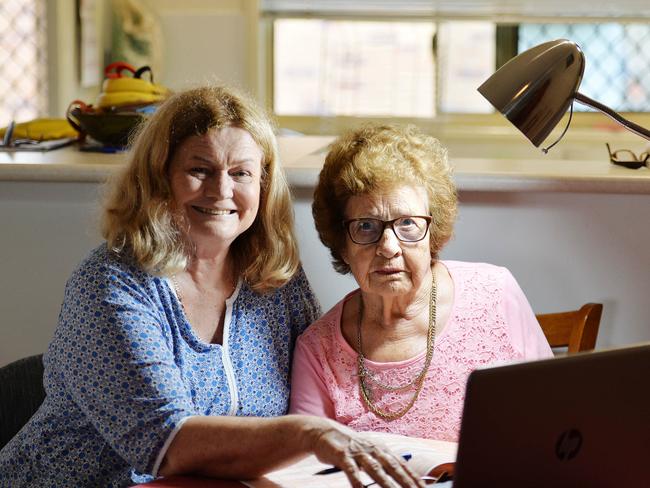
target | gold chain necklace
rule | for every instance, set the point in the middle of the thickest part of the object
(418, 381)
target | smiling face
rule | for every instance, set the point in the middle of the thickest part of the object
(215, 182)
(389, 267)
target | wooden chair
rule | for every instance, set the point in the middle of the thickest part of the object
(577, 330)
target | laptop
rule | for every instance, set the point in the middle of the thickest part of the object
(576, 421)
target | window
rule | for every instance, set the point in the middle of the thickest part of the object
(324, 67)
(340, 67)
(467, 54)
(332, 62)
(23, 64)
(617, 67)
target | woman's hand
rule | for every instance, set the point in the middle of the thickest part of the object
(336, 444)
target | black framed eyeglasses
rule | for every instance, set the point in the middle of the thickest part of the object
(409, 228)
(627, 158)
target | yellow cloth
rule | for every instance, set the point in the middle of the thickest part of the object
(42, 130)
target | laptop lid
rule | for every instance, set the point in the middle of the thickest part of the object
(579, 420)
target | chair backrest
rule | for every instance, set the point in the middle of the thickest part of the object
(577, 330)
(21, 393)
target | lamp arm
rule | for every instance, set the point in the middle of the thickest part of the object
(631, 126)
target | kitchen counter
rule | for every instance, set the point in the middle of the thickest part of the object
(302, 158)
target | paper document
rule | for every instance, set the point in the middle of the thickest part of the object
(425, 455)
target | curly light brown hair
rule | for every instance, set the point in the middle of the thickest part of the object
(377, 158)
(138, 213)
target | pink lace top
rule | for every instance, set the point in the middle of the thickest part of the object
(490, 323)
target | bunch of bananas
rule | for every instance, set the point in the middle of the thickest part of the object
(119, 90)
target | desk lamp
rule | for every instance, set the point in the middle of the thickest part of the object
(535, 88)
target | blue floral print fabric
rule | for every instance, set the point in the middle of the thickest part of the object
(125, 367)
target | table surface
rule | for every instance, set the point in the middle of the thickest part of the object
(426, 454)
(190, 482)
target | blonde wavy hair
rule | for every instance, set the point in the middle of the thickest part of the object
(377, 158)
(138, 212)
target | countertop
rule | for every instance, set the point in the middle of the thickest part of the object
(302, 158)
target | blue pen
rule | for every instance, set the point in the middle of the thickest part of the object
(334, 469)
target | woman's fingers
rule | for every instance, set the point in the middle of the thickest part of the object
(351, 470)
(385, 469)
(375, 470)
(380, 464)
(398, 469)
(336, 444)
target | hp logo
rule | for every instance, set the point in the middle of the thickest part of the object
(568, 444)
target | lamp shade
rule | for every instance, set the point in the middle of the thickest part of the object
(535, 88)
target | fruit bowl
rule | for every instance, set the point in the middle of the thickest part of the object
(109, 128)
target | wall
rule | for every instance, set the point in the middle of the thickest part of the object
(203, 41)
(208, 41)
(565, 249)
(47, 228)
(63, 56)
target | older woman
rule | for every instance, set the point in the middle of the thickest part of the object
(175, 336)
(395, 354)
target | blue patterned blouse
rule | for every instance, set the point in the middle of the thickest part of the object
(125, 369)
